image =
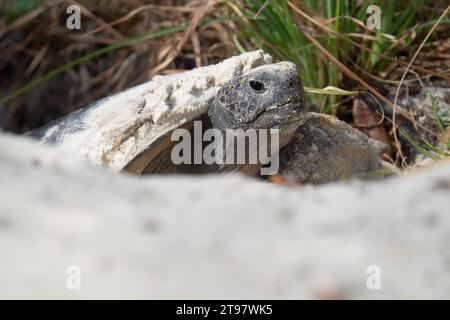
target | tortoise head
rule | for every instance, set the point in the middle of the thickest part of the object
(270, 96)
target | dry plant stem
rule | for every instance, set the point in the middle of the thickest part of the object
(172, 54)
(28, 17)
(376, 78)
(337, 34)
(351, 74)
(137, 11)
(394, 124)
(197, 49)
(261, 9)
(99, 21)
(354, 20)
(247, 22)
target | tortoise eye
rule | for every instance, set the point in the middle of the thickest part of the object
(256, 85)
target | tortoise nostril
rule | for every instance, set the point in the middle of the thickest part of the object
(293, 83)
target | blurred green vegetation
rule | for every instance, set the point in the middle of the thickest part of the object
(18, 8)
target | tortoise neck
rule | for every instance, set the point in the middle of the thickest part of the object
(219, 118)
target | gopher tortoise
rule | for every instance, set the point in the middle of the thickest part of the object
(133, 130)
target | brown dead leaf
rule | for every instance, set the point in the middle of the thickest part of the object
(278, 179)
(369, 122)
(282, 181)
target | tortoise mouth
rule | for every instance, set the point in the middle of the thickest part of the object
(283, 113)
(288, 112)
